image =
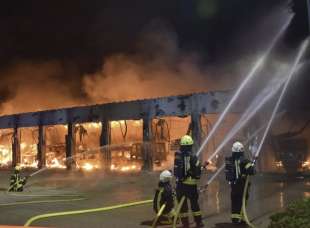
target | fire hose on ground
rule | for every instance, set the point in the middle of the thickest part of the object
(78, 212)
(66, 213)
(41, 201)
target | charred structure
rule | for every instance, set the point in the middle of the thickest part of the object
(134, 130)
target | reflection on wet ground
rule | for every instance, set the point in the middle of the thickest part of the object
(269, 193)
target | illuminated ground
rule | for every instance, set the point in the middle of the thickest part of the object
(269, 193)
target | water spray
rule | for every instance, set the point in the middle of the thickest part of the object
(254, 107)
(257, 66)
(37, 172)
(219, 170)
(300, 54)
(263, 98)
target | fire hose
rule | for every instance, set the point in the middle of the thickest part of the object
(41, 201)
(244, 199)
(78, 212)
(159, 213)
(175, 219)
(65, 213)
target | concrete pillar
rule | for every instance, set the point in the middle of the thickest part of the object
(196, 130)
(70, 146)
(16, 156)
(147, 152)
(41, 147)
(105, 139)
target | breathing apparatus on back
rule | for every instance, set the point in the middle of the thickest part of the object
(232, 163)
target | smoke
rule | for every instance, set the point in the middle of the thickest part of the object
(35, 86)
(160, 68)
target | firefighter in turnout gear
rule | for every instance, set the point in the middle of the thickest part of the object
(165, 195)
(187, 170)
(16, 181)
(237, 169)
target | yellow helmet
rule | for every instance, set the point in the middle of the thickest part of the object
(17, 167)
(186, 140)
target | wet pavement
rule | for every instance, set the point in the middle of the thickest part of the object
(269, 194)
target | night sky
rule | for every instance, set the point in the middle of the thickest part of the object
(86, 31)
(83, 33)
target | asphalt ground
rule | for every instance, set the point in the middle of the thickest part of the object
(269, 193)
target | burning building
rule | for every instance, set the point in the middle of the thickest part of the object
(124, 136)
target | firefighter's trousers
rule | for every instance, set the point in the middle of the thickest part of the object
(190, 192)
(236, 195)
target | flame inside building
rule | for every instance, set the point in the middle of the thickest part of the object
(125, 149)
(131, 145)
(124, 152)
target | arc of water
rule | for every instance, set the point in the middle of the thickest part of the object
(247, 79)
(300, 54)
(264, 97)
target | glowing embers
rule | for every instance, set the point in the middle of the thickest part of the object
(279, 164)
(125, 157)
(87, 154)
(89, 166)
(6, 148)
(306, 165)
(5, 156)
(28, 147)
(88, 160)
(55, 163)
(127, 147)
(55, 146)
(125, 168)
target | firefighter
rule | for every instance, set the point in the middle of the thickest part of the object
(165, 195)
(16, 181)
(187, 170)
(237, 169)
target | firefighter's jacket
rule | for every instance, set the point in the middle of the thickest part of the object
(164, 195)
(237, 169)
(17, 183)
(187, 168)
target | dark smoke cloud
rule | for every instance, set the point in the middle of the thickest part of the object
(63, 54)
(35, 86)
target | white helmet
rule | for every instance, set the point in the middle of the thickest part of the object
(165, 176)
(237, 147)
